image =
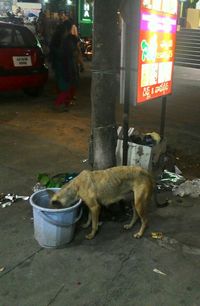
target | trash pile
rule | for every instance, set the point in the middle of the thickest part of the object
(169, 181)
(145, 139)
(148, 139)
(44, 180)
(9, 199)
(144, 149)
(188, 188)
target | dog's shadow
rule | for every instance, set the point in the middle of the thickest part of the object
(119, 212)
(111, 222)
(116, 212)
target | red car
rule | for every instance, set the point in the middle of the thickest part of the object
(22, 65)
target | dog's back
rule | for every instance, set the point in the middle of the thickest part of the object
(113, 184)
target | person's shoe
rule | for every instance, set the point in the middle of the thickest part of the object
(72, 103)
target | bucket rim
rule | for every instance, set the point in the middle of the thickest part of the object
(55, 210)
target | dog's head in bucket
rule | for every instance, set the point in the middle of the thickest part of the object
(65, 197)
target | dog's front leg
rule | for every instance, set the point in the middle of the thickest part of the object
(95, 211)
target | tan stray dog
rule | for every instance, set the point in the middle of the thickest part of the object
(104, 187)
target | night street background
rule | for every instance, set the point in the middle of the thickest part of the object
(113, 269)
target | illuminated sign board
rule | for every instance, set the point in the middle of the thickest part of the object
(85, 12)
(157, 38)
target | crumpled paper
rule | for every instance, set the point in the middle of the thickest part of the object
(188, 188)
(10, 198)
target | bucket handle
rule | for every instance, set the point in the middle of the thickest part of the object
(50, 220)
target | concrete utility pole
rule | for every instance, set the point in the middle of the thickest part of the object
(106, 62)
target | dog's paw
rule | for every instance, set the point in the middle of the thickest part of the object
(89, 236)
(137, 235)
(127, 226)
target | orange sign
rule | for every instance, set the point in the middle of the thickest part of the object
(157, 39)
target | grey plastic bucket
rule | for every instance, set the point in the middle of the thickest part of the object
(53, 228)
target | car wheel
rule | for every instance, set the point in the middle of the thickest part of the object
(33, 92)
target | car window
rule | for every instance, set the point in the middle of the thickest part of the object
(11, 37)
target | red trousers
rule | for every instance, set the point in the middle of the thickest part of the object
(65, 97)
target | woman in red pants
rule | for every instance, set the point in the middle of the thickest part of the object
(64, 54)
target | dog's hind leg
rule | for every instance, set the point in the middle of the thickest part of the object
(133, 221)
(95, 211)
(87, 224)
(141, 201)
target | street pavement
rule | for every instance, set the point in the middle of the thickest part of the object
(114, 269)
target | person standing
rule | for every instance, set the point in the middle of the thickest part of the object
(63, 56)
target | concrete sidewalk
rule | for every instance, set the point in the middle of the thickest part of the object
(114, 269)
